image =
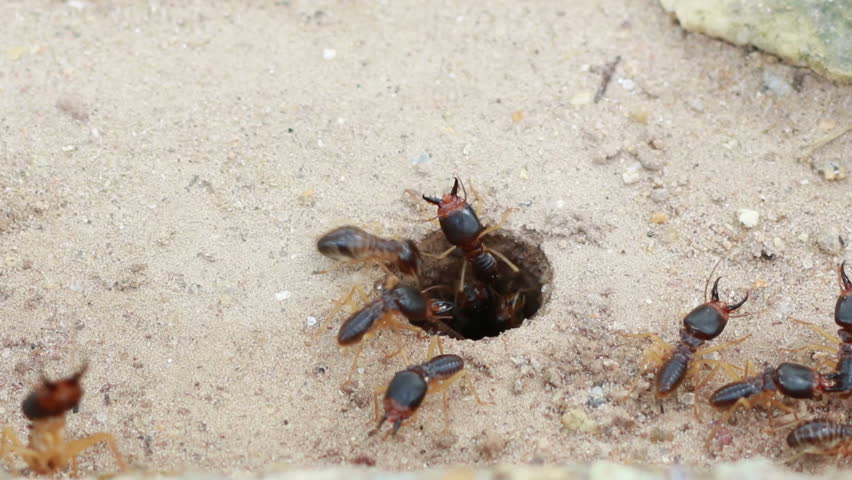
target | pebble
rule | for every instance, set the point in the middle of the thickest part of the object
(776, 84)
(829, 240)
(660, 435)
(596, 397)
(671, 235)
(311, 321)
(659, 195)
(687, 398)
(651, 160)
(659, 218)
(631, 173)
(445, 439)
(778, 243)
(804, 237)
(491, 445)
(831, 170)
(582, 98)
(576, 420)
(695, 104)
(422, 159)
(329, 53)
(748, 218)
(282, 295)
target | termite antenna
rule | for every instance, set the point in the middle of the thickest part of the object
(710, 276)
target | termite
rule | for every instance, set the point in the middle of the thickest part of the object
(788, 379)
(48, 451)
(408, 388)
(462, 228)
(354, 245)
(704, 323)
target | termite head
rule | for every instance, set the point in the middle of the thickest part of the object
(410, 302)
(409, 258)
(843, 309)
(707, 321)
(798, 381)
(51, 399)
(458, 219)
(441, 307)
(403, 396)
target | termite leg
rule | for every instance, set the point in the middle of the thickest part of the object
(347, 300)
(497, 225)
(441, 256)
(400, 348)
(376, 394)
(503, 257)
(9, 444)
(743, 403)
(705, 351)
(355, 361)
(435, 344)
(75, 447)
(824, 348)
(822, 333)
(461, 279)
(654, 356)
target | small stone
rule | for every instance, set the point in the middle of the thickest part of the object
(776, 84)
(660, 435)
(282, 295)
(608, 151)
(329, 53)
(491, 445)
(687, 398)
(596, 397)
(631, 173)
(422, 159)
(670, 235)
(638, 116)
(659, 195)
(695, 104)
(748, 218)
(829, 240)
(778, 243)
(659, 218)
(524, 174)
(582, 98)
(576, 420)
(311, 321)
(517, 116)
(445, 439)
(651, 160)
(831, 169)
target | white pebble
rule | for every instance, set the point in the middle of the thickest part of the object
(329, 53)
(747, 217)
(311, 321)
(282, 295)
(829, 240)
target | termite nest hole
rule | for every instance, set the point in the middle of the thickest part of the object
(481, 312)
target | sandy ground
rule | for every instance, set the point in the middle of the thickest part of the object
(166, 171)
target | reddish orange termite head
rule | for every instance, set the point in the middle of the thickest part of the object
(51, 399)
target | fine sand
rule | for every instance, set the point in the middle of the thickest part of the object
(167, 169)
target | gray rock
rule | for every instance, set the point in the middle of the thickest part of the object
(814, 33)
(829, 240)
